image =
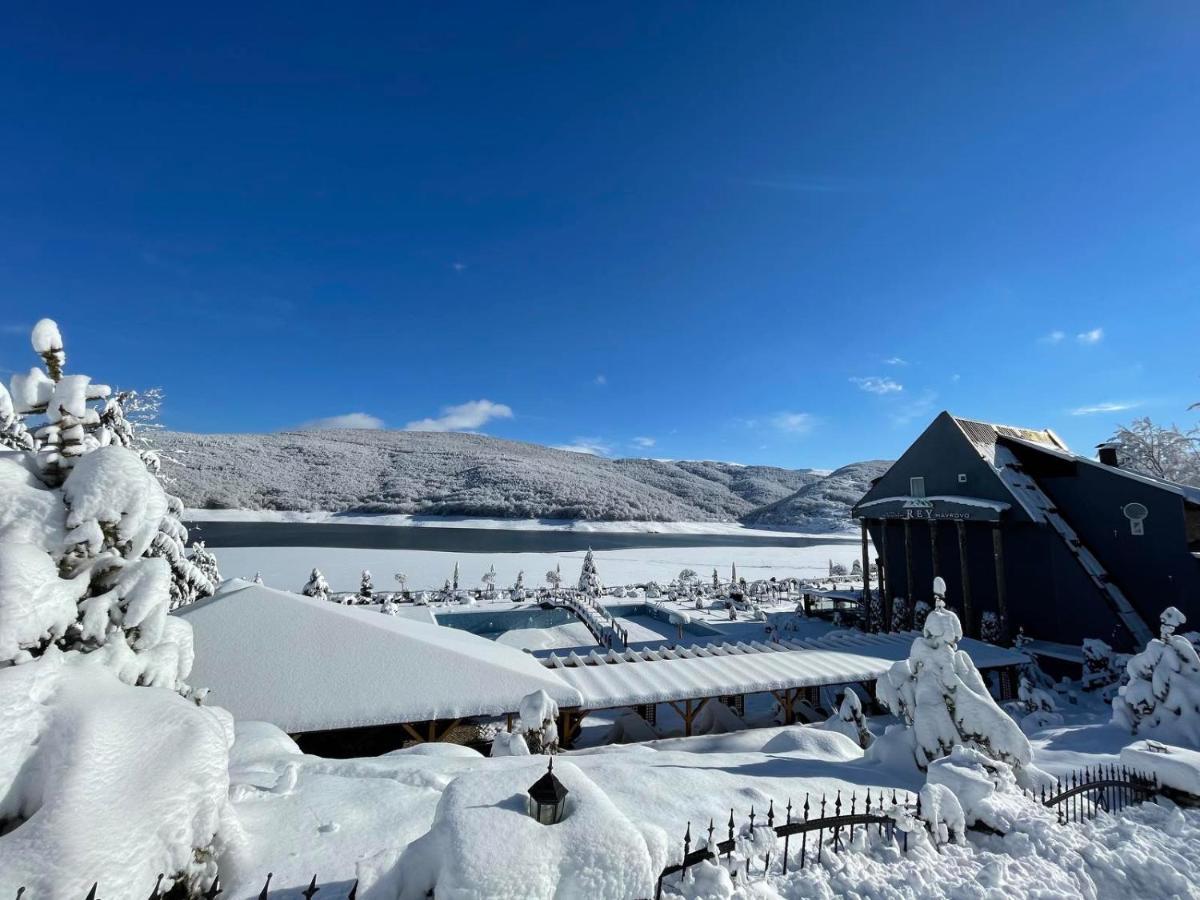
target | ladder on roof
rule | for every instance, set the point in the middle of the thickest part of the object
(1040, 507)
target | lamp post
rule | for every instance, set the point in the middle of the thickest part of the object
(548, 798)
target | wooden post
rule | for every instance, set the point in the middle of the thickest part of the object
(866, 571)
(885, 577)
(965, 574)
(1001, 588)
(933, 550)
(908, 571)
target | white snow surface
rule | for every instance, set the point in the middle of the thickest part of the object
(35, 604)
(313, 672)
(30, 512)
(596, 852)
(115, 784)
(1175, 767)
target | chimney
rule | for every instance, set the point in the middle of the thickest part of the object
(1108, 455)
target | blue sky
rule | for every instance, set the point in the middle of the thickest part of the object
(766, 233)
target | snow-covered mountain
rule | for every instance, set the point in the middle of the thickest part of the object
(432, 473)
(823, 504)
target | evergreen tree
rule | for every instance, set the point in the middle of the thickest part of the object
(366, 590)
(402, 580)
(258, 579)
(13, 433)
(316, 587)
(203, 559)
(989, 627)
(1162, 697)
(455, 582)
(589, 578)
(716, 581)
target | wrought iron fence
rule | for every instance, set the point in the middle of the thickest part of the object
(1082, 794)
(831, 828)
(177, 892)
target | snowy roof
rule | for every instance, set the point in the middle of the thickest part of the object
(615, 679)
(313, 665)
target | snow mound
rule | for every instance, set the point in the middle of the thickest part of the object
(106, 782)
(829, 746)
(483, 844)
(506, 744)
(986, 789)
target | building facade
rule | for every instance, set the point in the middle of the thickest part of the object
(1051, 543)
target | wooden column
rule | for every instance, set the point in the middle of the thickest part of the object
(885, 577)
(965, 573)
(866, 571)
(933, 533)
(908, 573)
(1001, 588)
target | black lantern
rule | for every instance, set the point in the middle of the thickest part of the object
(548, 798)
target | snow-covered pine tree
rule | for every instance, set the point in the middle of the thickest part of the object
(204, 560)
(554, 577)
(943, 699)
(1162, 698)
(589, 578)
(850, 720)
(258, 579)
(72, 424)
(402, 580)
(856, 569)
(899, 614)
(316, 586)
(366, 590)
(716, 581)
(454, 584)
(13, 433)
(1099, 670)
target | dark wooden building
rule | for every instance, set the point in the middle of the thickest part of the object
(1057, 544)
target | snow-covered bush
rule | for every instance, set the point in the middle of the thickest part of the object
(850, 720)
(942, 697)
(509, 744)
(1036, 706)
(899, 614)
(1099, 669)
(366, 589)
(986, 790)
(537, 713)
(989, 627)
(316, 586)
(100, 781)
(942, 814)
(1162, 698)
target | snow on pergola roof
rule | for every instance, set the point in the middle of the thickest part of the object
(617, 679)
(313, 665)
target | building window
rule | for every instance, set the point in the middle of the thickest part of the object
(916, 486)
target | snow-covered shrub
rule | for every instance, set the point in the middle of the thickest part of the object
(899, 614)
(366, 590)
(100, 781)
(940, 695)
(1162, 698)
(986, 790)
(1098, 668)
(850, 720)
(316, 586)
(537, 713)
(509, 744)
(942, 814)
(653, 591)
(13, 433)
(921, 610)
(1036, 707)
(989, 627)
(206, 562)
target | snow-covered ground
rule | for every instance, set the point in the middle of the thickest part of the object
(288, 568)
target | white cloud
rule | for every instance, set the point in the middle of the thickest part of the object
(1095, 336)
(896, 361)
(644, 442)
(600, 380)
(590, 446)
(464, 417)
(873, 384)
(1054, 337)
(1103, 408)
(459, 266)
(956, 378)
(347, 420)
(793, 422)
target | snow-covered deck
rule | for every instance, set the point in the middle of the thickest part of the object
(612, 679)
(311, 665)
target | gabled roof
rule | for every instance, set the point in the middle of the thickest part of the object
(314, 665)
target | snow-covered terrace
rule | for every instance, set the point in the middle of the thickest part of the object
(613, 679)
(311, 665)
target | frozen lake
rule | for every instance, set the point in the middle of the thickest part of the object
(458, 539)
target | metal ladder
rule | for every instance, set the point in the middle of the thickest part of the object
(1041, 508)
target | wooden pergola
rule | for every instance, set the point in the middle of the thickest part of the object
(912, 513)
